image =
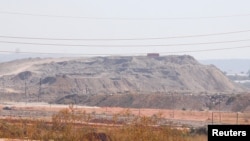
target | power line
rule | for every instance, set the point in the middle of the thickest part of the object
(173, 52)
(146, 45)
(54, 53)
(118, 18)
(150, 38)
(207, 50)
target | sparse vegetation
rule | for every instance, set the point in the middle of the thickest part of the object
(67, 125)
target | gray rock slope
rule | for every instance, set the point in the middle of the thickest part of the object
(54, 78)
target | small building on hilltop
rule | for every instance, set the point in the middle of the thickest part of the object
(153, 54)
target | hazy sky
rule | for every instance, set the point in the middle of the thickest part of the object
(154, 21)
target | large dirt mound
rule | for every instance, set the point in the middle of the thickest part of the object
(224, 102)
(50, 79)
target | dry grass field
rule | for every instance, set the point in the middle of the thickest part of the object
(75, 124)
(188, 117)
(62, 122)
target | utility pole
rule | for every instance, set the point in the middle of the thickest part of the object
(138, 88)
(139, 112)
(219, 111)
(173, 104)
(86, 89)
(25, 91)
(212, 118)
(40, 90)
(220, 108)
(3, 87)
(237, 117)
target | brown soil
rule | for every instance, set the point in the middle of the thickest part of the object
(177, 117)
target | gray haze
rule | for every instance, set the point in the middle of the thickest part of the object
(123, 19)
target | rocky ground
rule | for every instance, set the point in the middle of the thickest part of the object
(129, 81)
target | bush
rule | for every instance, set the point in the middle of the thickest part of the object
(69, 125)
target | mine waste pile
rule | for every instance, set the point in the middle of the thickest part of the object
(137, 80)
